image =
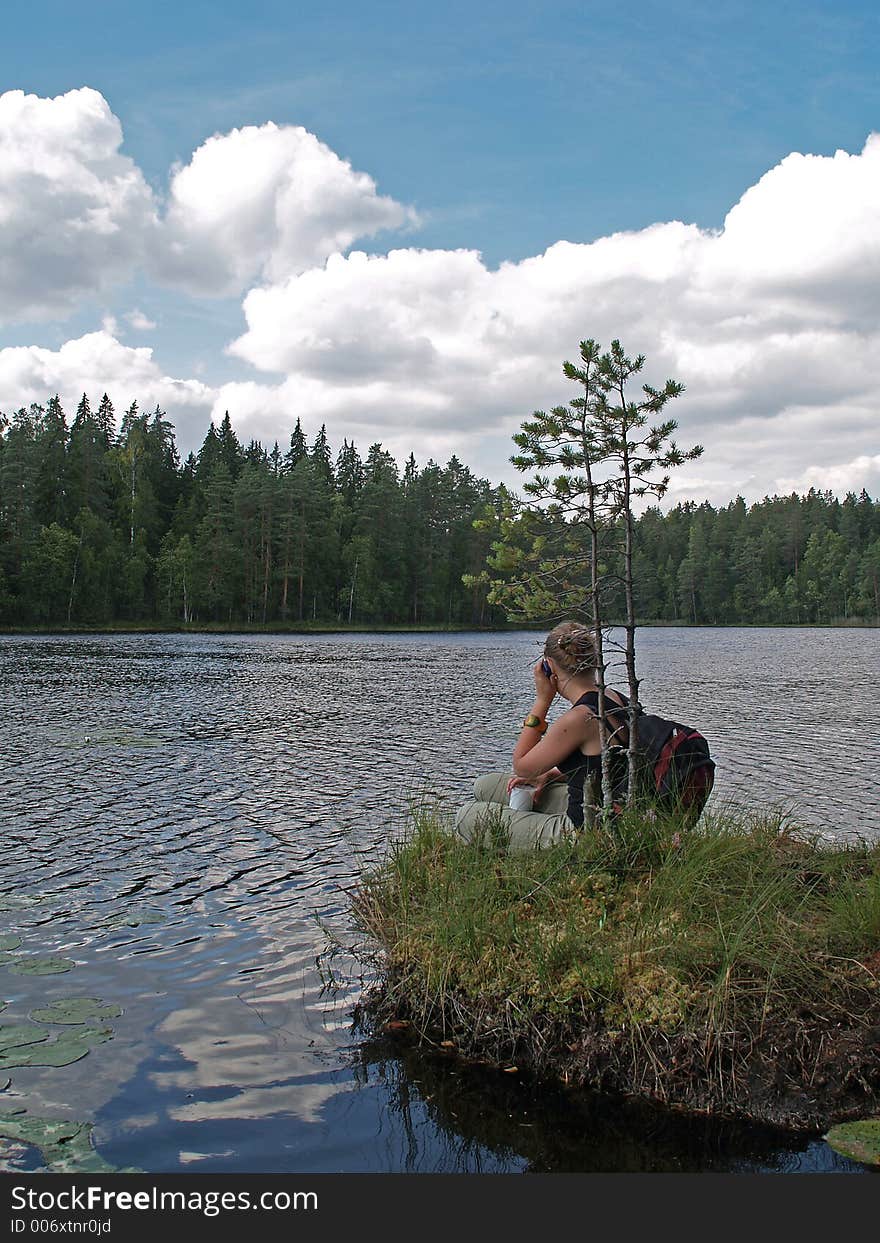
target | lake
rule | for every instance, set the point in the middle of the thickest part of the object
(183, 816)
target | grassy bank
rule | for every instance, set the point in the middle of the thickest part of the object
(734, 969)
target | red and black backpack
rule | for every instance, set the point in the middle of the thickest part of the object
(677, 771)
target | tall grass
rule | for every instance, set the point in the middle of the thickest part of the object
(723, 928)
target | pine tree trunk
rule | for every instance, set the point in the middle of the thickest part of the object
(633, 713)
(630, 653)
(73, 580)
(302, 567)
(267, 563)
(596, 611)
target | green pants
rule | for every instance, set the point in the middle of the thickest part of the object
(526, 830)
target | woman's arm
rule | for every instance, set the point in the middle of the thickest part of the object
(534, 755)
(538, 752)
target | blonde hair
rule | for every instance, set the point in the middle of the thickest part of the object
(572, 646)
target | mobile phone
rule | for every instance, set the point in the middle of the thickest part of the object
(547, 669)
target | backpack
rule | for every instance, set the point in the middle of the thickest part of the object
(676, 769)
(678, 772)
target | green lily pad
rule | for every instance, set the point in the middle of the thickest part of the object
(66, 1147)
(860, 1141)
(66, 1049)
(74, 1010)
(41, 966)
(14, 1034)
(9, 941)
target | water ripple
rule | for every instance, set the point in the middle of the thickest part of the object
(183, 815)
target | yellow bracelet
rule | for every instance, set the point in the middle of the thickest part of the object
(535, 722)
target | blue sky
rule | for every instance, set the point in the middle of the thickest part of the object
(507, 128)
(510, 125)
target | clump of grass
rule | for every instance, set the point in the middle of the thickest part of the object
(648, 937)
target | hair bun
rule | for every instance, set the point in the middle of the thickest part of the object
(573, 645)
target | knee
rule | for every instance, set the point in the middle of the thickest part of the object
(491, 788)
(466, 820)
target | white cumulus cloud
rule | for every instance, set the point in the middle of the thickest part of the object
(767, 321)
(97, 363)
(75, 214)
(809, 225)
(77, 217)
(861, 472)
(771, 321)
(265, 202)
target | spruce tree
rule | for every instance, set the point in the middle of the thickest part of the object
(298, 447)
(231, 451)
(51, 501)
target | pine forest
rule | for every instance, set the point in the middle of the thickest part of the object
(101, 524)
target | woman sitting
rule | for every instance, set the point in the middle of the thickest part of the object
(558, 767)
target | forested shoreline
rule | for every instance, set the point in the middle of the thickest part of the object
(102, 524)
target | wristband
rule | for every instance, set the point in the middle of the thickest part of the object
(534, 722)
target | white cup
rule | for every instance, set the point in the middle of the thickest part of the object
(521, 798)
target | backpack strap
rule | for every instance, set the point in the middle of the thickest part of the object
(591, 700)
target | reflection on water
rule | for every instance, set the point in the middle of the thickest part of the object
(541, 1129)
(182, 817)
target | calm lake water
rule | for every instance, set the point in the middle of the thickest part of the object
(183, 815)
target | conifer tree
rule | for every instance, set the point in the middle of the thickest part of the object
(18, 470)
(88, 481)
(209, 456)
(105, 417)
(321, 456)
(51, 502)
(214, 577)
(231, 452)
(298, 447)
(592, 459)
(637, 450)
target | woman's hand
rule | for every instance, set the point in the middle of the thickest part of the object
(538, 784)
(545, 688)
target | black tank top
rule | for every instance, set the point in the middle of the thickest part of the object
(582, 770)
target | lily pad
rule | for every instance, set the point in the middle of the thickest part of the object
(14, 1034)
(860, 1141)
(66, 1147)
(74, 1010)
(41, 966)
(63, 1051)
(9, 941)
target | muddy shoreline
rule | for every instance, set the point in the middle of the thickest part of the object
(800, 1078)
